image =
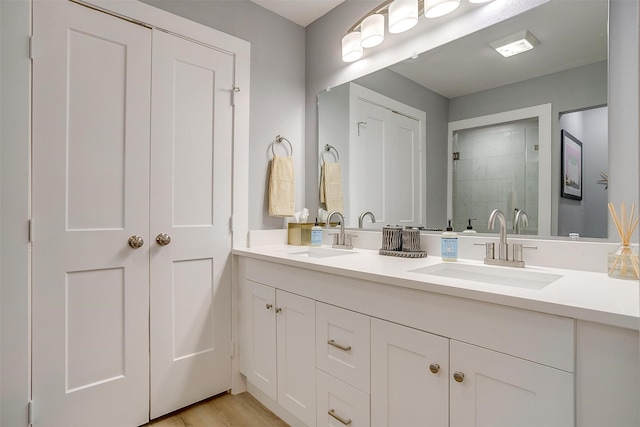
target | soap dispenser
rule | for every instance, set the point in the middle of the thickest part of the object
(449, 242)
(316, 234)
(470, 229)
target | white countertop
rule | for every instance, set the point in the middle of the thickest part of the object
(581, 295)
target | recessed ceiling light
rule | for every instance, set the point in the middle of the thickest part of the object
(515, 43)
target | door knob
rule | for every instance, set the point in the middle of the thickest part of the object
(434, 368)
(136, 241)
(458, 376)
(163, 239)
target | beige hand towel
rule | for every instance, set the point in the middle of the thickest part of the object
(281, 189)
(331, 187)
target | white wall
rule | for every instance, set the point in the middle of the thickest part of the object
(277, 87)
(15, 110)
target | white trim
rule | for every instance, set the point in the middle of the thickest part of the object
(543, 113)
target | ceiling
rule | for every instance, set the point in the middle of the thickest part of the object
(302, 12)
(571, 34)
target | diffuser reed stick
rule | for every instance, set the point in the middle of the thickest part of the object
(625, 261)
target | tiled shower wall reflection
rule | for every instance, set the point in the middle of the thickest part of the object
(497, 169)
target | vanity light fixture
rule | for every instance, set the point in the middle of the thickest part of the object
(402, 15)
(515, 43)
(351, 48)
(372, 30)
(438, 8)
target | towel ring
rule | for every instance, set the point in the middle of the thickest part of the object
(328, 148)
(279, 140)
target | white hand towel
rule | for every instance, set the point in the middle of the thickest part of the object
(281, 189)
(331, 187)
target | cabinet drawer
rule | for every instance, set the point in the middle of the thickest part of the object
(343, 345)
(340, 404)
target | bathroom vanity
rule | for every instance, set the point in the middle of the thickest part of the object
(330, 337)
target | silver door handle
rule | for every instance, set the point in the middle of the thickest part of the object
(340, 346)
(163, 239)
(136, 241)
(332, 412)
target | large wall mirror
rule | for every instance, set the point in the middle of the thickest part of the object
(376, 127)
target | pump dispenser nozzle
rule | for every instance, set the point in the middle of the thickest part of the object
(469, 229)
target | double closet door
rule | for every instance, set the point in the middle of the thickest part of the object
(131, 187)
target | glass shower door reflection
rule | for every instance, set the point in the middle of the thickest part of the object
(496, 167)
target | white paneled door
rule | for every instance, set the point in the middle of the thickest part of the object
(386, 153)
(90, 195)
(191, 203)
(131, 147)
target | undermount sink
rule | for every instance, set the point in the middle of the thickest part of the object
(314, 252)
(520, 278)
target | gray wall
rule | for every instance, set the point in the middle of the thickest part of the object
(588, 216)
(15, 126)
(566, 92)
(436, 106)
(277, 88)
(624, 111)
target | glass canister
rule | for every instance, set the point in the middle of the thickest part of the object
(622, 263)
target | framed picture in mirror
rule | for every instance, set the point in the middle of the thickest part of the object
(571, 166)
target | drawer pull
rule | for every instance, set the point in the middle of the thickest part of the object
(458, 376)
(340, 346)
(434, 368)
(332, 412)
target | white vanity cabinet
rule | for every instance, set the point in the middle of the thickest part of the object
(278, 347)
(409, 376)
(488, 388)
(343, 362)
(435, 359)
(341, 404)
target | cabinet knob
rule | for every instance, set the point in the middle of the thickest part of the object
(434, 368)
(163, 239)
(136, 241)
(269, 306)
(278, 309)
(458, 376)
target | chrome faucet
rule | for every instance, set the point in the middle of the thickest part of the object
(362, 215)
(521, 217)
(340, 240)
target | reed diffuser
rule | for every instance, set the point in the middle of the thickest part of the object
(623, 262)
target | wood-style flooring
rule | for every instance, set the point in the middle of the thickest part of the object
(224, 410)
